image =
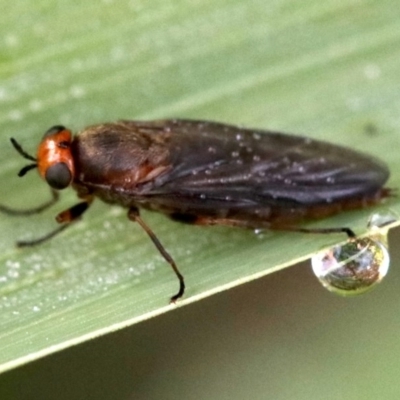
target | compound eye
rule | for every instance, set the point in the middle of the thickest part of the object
(58, 176)
(54, 130)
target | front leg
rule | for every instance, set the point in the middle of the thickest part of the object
(66, 218)
(31, 211)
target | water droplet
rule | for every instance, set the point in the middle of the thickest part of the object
(77, 91)
(35, 105)
(372, 71)
(300, 168)
(11, 40)
(382, 219)
(13, 274)
(15, 115)
(352, 268)
(3, 94)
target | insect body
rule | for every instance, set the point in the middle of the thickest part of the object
(204, 173)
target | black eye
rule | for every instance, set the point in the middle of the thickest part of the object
(54, 129)
(58, 176)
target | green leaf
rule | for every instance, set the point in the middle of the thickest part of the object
(325, 69)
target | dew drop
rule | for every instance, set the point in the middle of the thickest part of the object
(372, 71)
(382, 219)
(300, 169)
(239, 137)
(352, 268)
(15, 115)
(11, 40)
(77, 91)
(13, 274)
(3, 94)
(35, 105)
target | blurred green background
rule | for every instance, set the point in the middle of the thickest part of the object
(326, 69)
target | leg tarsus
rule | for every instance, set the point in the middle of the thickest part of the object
(350, 234)
(133, 215)
(66, 218)
(31, 211)
(34, 242)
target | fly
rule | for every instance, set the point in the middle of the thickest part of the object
(203, 173)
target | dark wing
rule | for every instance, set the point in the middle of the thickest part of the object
(217, 162)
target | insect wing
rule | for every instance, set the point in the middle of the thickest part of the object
(223, 163)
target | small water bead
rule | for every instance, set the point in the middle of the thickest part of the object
(352, 268)
(382, 219)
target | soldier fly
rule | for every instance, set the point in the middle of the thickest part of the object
(204, 173)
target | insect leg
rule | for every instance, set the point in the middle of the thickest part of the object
(133, 215)
(267, 225)
(31, 211)
(350, 234)
(259, 225)
(66, 218)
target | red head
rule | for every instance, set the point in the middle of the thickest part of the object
(54, 159)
